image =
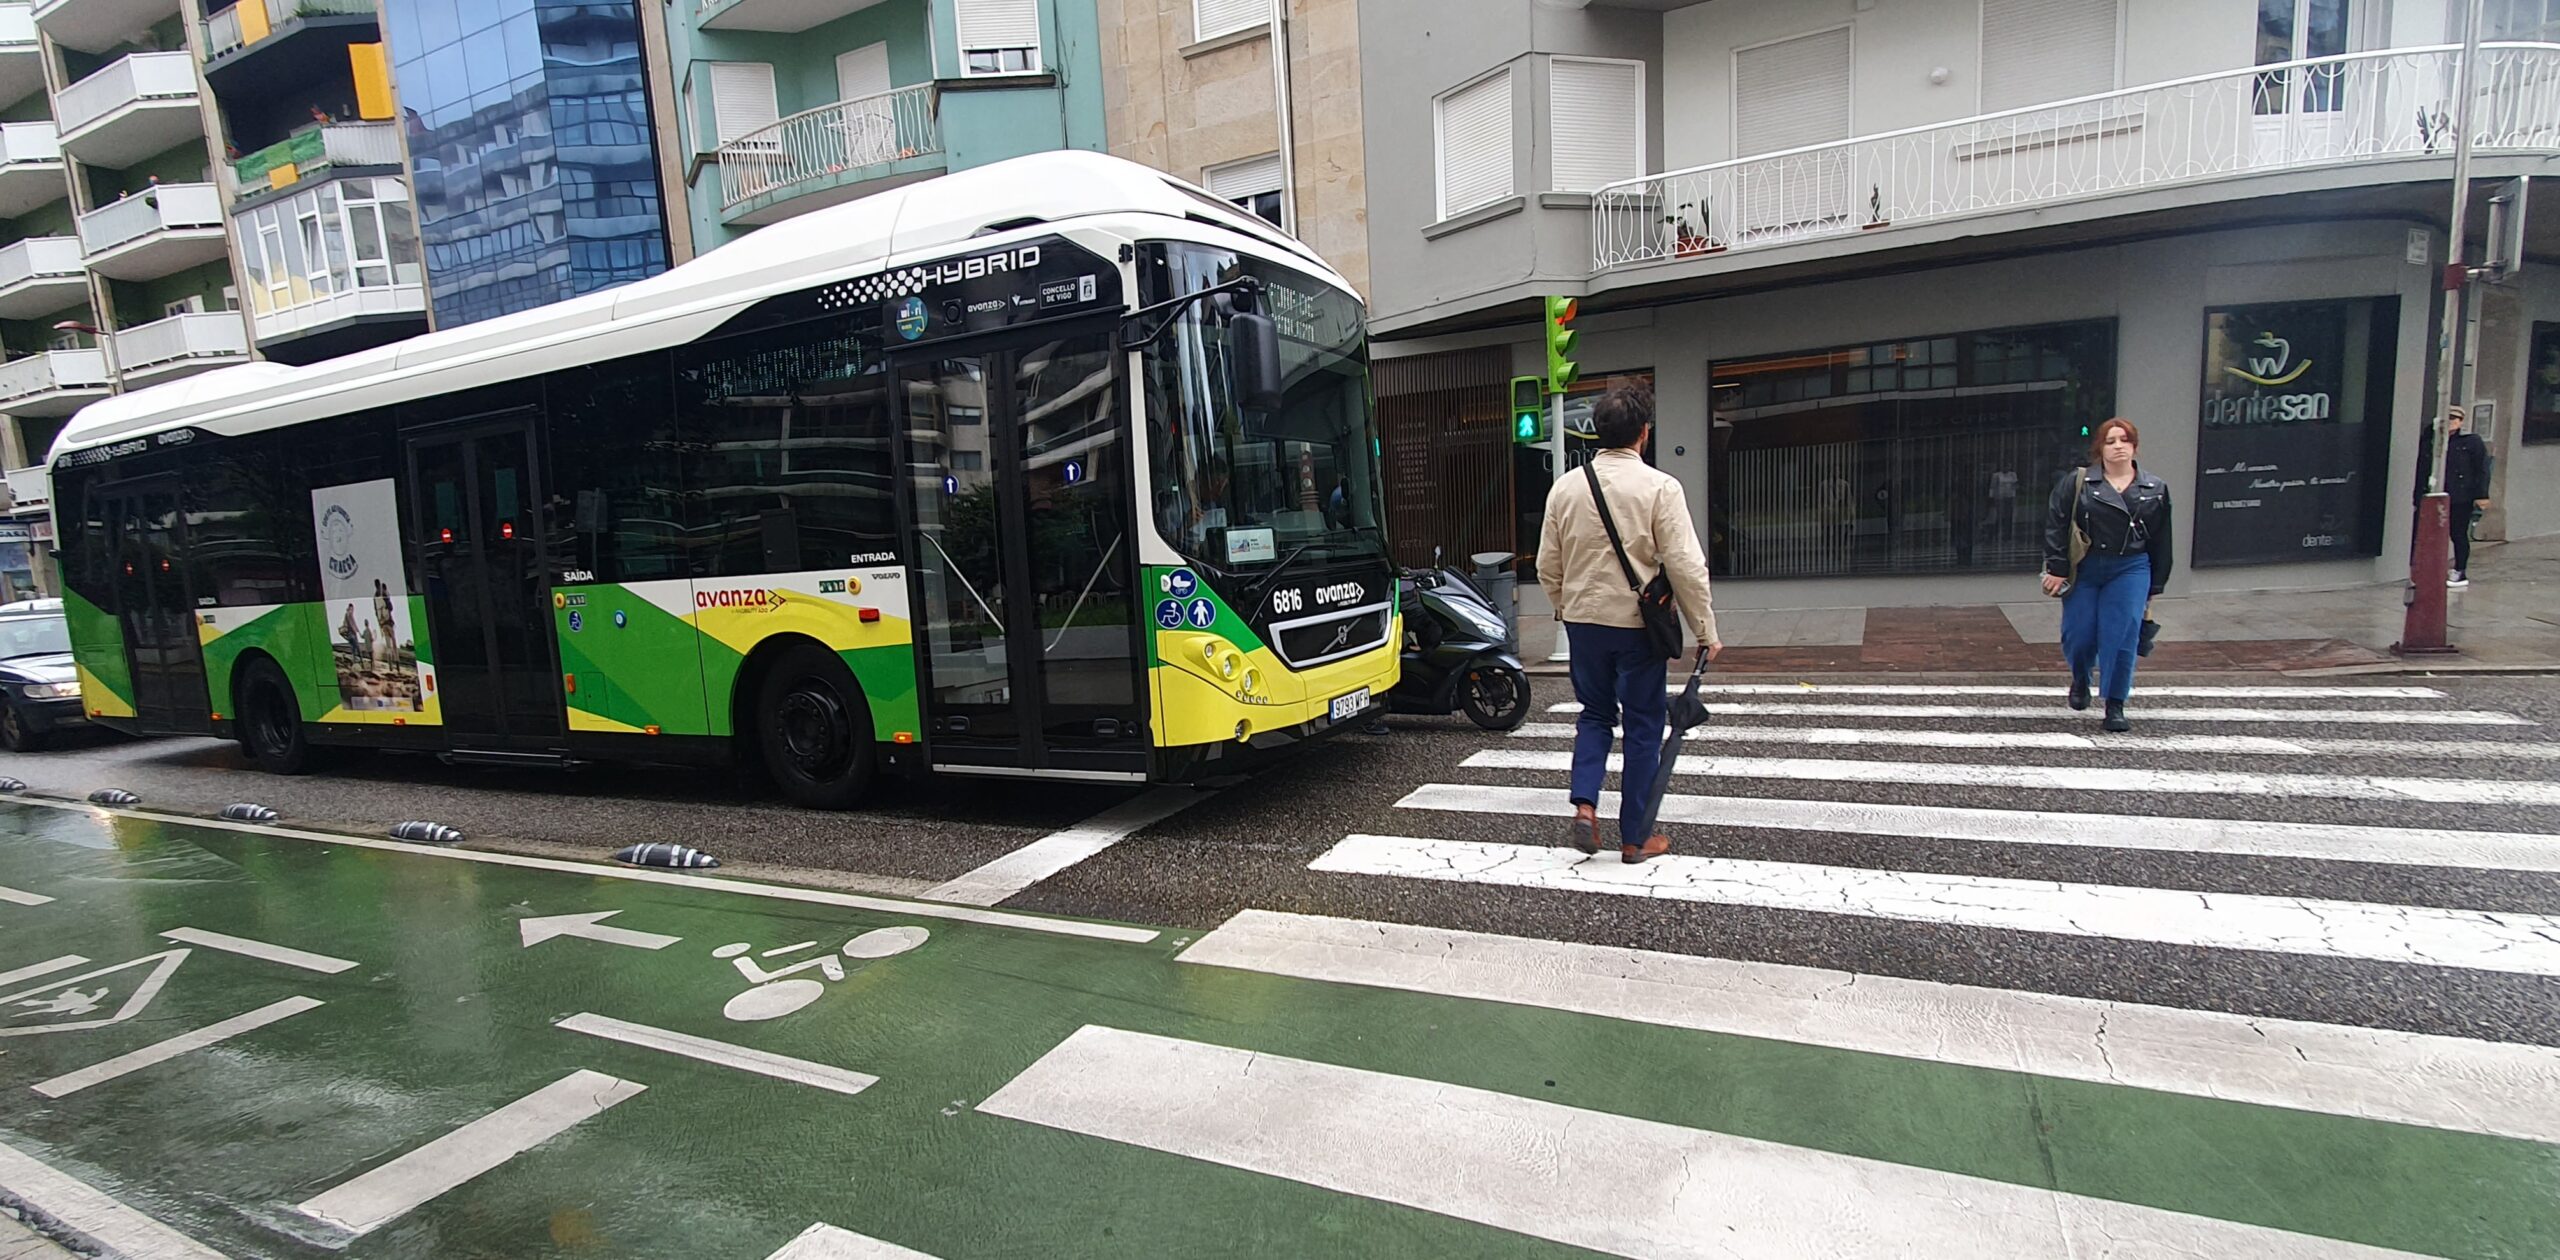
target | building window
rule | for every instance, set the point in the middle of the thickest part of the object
(1473, 131)
(1596, 117)
(1932, 454)
(1791, 93)
(742, 101)
(999, 36)
(1213, 18)
(1253, 184)
(2034, 51)
(2530, 21)
(2542, 388)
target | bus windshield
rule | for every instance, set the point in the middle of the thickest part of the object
(1236, 489)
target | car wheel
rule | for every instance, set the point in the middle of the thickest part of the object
(813, 729)
(14, 732)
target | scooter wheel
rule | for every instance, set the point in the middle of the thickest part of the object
(1495, 697)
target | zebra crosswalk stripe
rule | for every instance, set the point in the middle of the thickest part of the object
(2456, 1083)
(2417, 846)
(2145, 712)
(2066, 741)
(2073, 778)
(2049, 691)
(2418, 935)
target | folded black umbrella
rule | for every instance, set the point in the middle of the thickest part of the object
(1688, 713)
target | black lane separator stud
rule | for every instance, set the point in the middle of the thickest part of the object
(113, 796)
(426, 833)
(249, 813)
(12, 785)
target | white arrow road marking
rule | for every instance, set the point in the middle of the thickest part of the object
(589, 927)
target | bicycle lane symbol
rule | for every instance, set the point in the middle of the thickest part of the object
(781, 990)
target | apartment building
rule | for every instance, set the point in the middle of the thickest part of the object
(1192, 91)
(1885, 262)
(784, 106)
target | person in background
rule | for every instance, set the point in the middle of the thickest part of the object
(2125, 513)
(1616, 674)
(2466, 483)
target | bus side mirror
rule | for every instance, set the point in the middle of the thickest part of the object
(1253, 351)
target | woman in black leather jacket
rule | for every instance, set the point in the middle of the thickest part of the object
(2124, 511)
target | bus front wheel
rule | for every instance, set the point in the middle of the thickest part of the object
(271, 730)
(813, 729)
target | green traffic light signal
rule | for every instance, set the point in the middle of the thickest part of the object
(1562, 337)
(1528, 410)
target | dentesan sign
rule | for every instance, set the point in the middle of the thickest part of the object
(2293, 430)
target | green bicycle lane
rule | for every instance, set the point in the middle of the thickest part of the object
(921, 1096)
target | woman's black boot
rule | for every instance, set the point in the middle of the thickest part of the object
(2115, 717)
(2079, 693)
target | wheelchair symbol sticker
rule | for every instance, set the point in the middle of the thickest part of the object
(1169, 615)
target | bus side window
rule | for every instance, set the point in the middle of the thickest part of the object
(780, 528)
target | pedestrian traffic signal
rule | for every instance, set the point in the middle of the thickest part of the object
(1561, 338)
(1528, 410)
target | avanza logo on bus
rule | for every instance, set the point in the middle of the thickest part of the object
(757, 598)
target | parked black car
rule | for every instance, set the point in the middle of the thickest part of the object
(39, 689)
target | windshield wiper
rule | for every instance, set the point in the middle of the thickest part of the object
(1264, 588)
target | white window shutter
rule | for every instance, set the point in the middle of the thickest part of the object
(1475, 145)
(998, 24)
(1596, 122)
(1246, 178)
(742, 98)
(862, 72)
(1791, 93)
(2034, 51)
(1213, 18)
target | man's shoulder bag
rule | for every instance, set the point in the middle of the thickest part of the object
(1655, 601)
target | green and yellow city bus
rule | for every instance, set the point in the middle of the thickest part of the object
(1055, 467)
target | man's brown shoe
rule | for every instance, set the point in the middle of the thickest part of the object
(1653, 848)
(1586, 828)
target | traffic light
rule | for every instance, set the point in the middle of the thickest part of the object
(1528, 410)
(1561, 337)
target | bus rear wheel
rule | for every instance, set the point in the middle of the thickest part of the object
(813, 729)
(271, 730)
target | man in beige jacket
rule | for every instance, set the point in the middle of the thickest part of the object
(1617, 675)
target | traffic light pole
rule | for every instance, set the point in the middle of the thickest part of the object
(2422, 630)
(1555, 455)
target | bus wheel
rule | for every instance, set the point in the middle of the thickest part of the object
(271, 721)
(813, 729)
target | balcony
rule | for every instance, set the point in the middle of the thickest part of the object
(788, 16)
(98, 25)
(54, 383)
(137, 106)
(155, 233)
(2362, 118)
(309, 155)
(41, 275)
(251, 21)
(181, 345)
(831, 154)
(30, 168)
(30, 489)
(21, 59)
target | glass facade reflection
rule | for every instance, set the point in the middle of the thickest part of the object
(529, 134)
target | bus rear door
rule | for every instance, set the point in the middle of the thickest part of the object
(480, 556)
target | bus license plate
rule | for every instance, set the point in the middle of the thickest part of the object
(1346, 707)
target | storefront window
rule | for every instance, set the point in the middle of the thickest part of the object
(1926, 455)
(2542, 387)
(2293, 431)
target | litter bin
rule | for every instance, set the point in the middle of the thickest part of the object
(1494, 572)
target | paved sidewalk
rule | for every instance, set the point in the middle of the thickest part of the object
(2509, 618)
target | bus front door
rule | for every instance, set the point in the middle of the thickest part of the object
(155, 609)
(1024, 560)
(480, 555)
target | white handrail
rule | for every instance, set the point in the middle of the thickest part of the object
(129, 80)
(29, 142)
(51, 371)
(193, 335)
(2313, 112)
(159, 208)
(55, 257)
(830, 140)
(17, 24)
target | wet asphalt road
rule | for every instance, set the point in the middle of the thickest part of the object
(1249, 846)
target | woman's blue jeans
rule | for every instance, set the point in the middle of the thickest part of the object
(2102, 620)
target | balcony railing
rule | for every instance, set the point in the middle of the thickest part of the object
(130, 80)
(316, 150)
(30, 488)
(35, 142)
(49, 257)
(51, 372)
(161, 208)
(17, 28)
(2324, 111)
(227, 32)
(830, 141)
(144, 348)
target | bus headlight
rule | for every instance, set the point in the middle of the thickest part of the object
(1227, 668)
(1253, 680)
(1209, 652)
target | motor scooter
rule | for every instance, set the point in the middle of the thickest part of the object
(1457, 655)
